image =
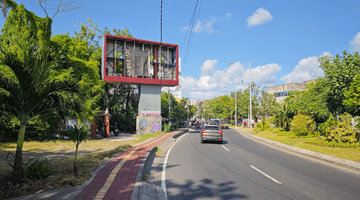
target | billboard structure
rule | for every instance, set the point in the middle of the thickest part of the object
(148, 64)
(136, 61)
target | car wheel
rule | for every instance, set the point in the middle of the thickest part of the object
(202, 141)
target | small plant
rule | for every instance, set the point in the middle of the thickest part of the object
(25, 163)
(166, 128)
(39, 169)
(77, 135)
(151, 58)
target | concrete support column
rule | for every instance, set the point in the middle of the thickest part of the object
(149, 111)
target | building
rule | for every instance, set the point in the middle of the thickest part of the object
(283, 91)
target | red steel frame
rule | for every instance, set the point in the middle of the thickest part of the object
(135, 80)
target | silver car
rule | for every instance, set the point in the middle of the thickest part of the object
(211, 133)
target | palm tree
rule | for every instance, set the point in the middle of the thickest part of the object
(31, 91)
(284, 113)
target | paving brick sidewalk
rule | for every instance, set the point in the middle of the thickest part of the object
(116, 179)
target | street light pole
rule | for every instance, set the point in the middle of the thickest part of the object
(250, 99)
(235, 110)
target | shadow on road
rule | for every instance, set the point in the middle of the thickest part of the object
(204, 189)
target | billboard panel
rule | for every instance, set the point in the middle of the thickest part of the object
(135, 61)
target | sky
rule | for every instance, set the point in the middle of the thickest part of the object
(282, 40)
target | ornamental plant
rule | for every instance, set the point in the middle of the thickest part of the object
(302, 125)
(341, 131)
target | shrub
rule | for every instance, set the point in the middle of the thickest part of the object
(340, 130)
(174, 126)
(320, 142)
(166, 128)
(264, 124)
(302, 125)
(39, 169)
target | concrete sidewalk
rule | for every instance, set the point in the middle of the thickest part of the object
(119, 178)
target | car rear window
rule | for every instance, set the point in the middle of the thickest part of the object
(212, 128)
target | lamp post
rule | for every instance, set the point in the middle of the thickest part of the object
(249, 64)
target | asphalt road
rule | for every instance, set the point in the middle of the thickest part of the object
(244, 169)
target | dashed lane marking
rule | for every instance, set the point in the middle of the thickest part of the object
(276, 181)
(225, 148)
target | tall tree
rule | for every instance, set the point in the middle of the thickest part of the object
(31, 91)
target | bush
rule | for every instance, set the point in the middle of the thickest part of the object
(320, 142)
(263, 125)
(302, 125)
(39, 169)
(340, 131)
(174, 126)
(166, 128)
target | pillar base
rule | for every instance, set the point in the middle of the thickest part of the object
(148, 124)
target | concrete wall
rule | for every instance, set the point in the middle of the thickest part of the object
(150, 100)
(148, 124)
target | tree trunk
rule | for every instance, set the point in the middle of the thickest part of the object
(18, 169)
(75, 166)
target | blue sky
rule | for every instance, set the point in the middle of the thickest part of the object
(281, 39)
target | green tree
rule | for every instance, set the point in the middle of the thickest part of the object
(311, 102)
(352, 96)
(339, 74)
(31, 91)
(192, 111)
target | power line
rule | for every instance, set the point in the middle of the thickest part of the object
(194, 17)
(161, 22)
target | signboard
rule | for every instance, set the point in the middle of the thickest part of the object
(136, 61)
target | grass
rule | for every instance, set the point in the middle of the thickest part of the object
(159, 151)
(287, 138)
(99, 151)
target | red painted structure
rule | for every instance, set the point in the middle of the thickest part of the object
(109, 56)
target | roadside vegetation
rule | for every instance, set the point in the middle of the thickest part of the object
(325, 117)
(54, 163)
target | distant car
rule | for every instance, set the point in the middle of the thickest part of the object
(211, 133)
(224, 123)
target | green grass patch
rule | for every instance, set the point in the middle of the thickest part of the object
(306, 143)
(159, 151)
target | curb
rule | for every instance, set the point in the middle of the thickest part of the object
(146, 191)
(339, 161)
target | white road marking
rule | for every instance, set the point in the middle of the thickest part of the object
(163, 180)
(276, 181)
(225, 148)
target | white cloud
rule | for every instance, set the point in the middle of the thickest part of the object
(205, 26)
(208, 67)
(307, 69)
(260, 16)
(218, 82)
(356, 42)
